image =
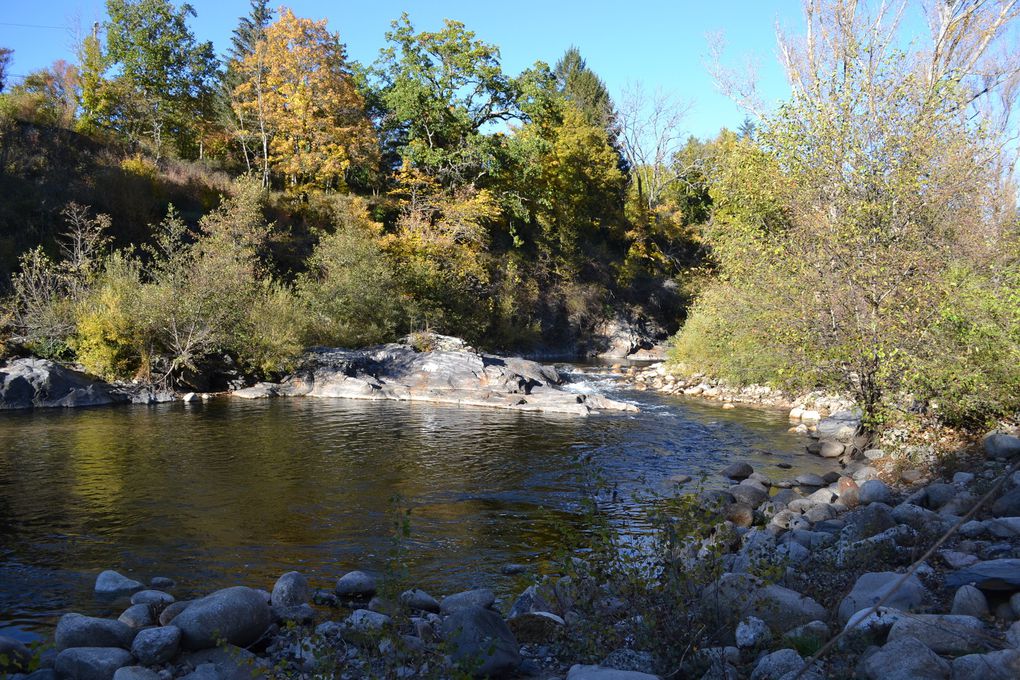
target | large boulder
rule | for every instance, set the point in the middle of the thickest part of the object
(91, 663)
(579, 672)
(841, 426)
(75, 630)
(355, 585)
(236, 615)
(479, 597)
(1002, 446)
(906, 658)
(1004, 663)
(1001, 574)
(290, 590)
(871, 587)
(736, 596)
(951, 634)
(480, 642)
(28, 383)
(154, 646)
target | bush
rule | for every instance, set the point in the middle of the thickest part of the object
(109, 340)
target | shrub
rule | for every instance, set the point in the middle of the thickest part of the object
(109, 340)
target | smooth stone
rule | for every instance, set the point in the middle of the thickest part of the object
(238, 616)
(356, 585)
(969, 601)
(480, 597)
(111, 584)
(904, 659)
(418, 599)
(75, 630)
(363, 624)
(950, 634)
(873, 586)
(1002, 446)
(911, 476)
(1007, 505)
(135, 673)
(1000, 574)
(156, 598)
(154, 646)
(227, 662)
(874, 454)
(91, 663)
(1004, 663)
(290, 590)
(955, 559)
(581, 672)
(171, 612)
(737, 471)
(810, 479)
(874, 491)
(831, 449)
(748, 495)
(138, 616)
(162, 583)
(777, 665)
(478, 639)
(811, 633)
(301, 614)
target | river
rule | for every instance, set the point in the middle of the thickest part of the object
(228, 492)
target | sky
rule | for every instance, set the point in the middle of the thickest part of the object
(659, 43)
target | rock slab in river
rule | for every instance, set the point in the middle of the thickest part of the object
(238, 615)
(28, 383)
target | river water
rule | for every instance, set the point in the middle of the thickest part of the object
(230, 491)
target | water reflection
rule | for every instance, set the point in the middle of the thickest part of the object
(227, 491)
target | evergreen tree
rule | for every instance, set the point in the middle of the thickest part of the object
(584, 88)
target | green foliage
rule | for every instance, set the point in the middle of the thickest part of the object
(5, 62)
(582, 86)
(108, 341)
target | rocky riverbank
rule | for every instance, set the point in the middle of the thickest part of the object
(447, 372)
(918, 580)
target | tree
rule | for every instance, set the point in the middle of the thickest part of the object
(883, 170)
(166, 72)
(585, 89)
(5, 63)
(444, 88)
(244, 123)
(312, 118)
(53, 94)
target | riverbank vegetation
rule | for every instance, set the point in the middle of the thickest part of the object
(167, 209)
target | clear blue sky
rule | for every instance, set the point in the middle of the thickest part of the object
(661, 43)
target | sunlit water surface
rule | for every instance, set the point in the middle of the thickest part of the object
(230, 491)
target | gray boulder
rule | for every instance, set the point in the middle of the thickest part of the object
(480, 642)
(874, 491)
(479, 597)
(135, 673)
(841, 426)
(171, 612)
(1007, 505)
(39, 383)
(1002, 446)
(1004, 663)
(943, 633)
(904, 659)
(873, 586)
(290, 590)
(75, 630)
(777, 664)
(91, 663)
(157, 598)
(737, 471)
(154, 646)
(356, 585)
(237, 615)
(138, 616)
(970, 601)
(1001, 574)
(418, 600)
(111, 584)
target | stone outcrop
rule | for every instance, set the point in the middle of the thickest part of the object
(457, 375)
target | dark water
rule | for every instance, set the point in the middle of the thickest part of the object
(230, 491)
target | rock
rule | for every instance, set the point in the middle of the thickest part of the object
(1000, 574)
(1014, 604)
(748, 495)
(865, 473)
(831, 449)
(154, 646)
(135, 673)
(911, 476)
(418, 599)
(14, 656)
(870, 625)
(91, 663)
(111, 584)
(480, 642)
(868, 521)
(356, 585)
(737, 471)
(171, 612)
(810, 479)
(734, 596)
(290, 590)
(75, 630)
(138, 616)
(39, 383)
(1002, 446)
(875, 491)
(874, 454)
(162, 583)
(970, 601)
(480, 597)
(777, 664)
(740, 514)
(625, 659)
(363, 625)
(904, 659)
(1004, 663)
(1013, 635)
(943, 633)
(752, 632)
(1007, 505)
(579, 672)
(301, 614)
(873, 586)
(157, 598)
(841, 426)
(957, 560)
(237, 615)
(227, 662)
